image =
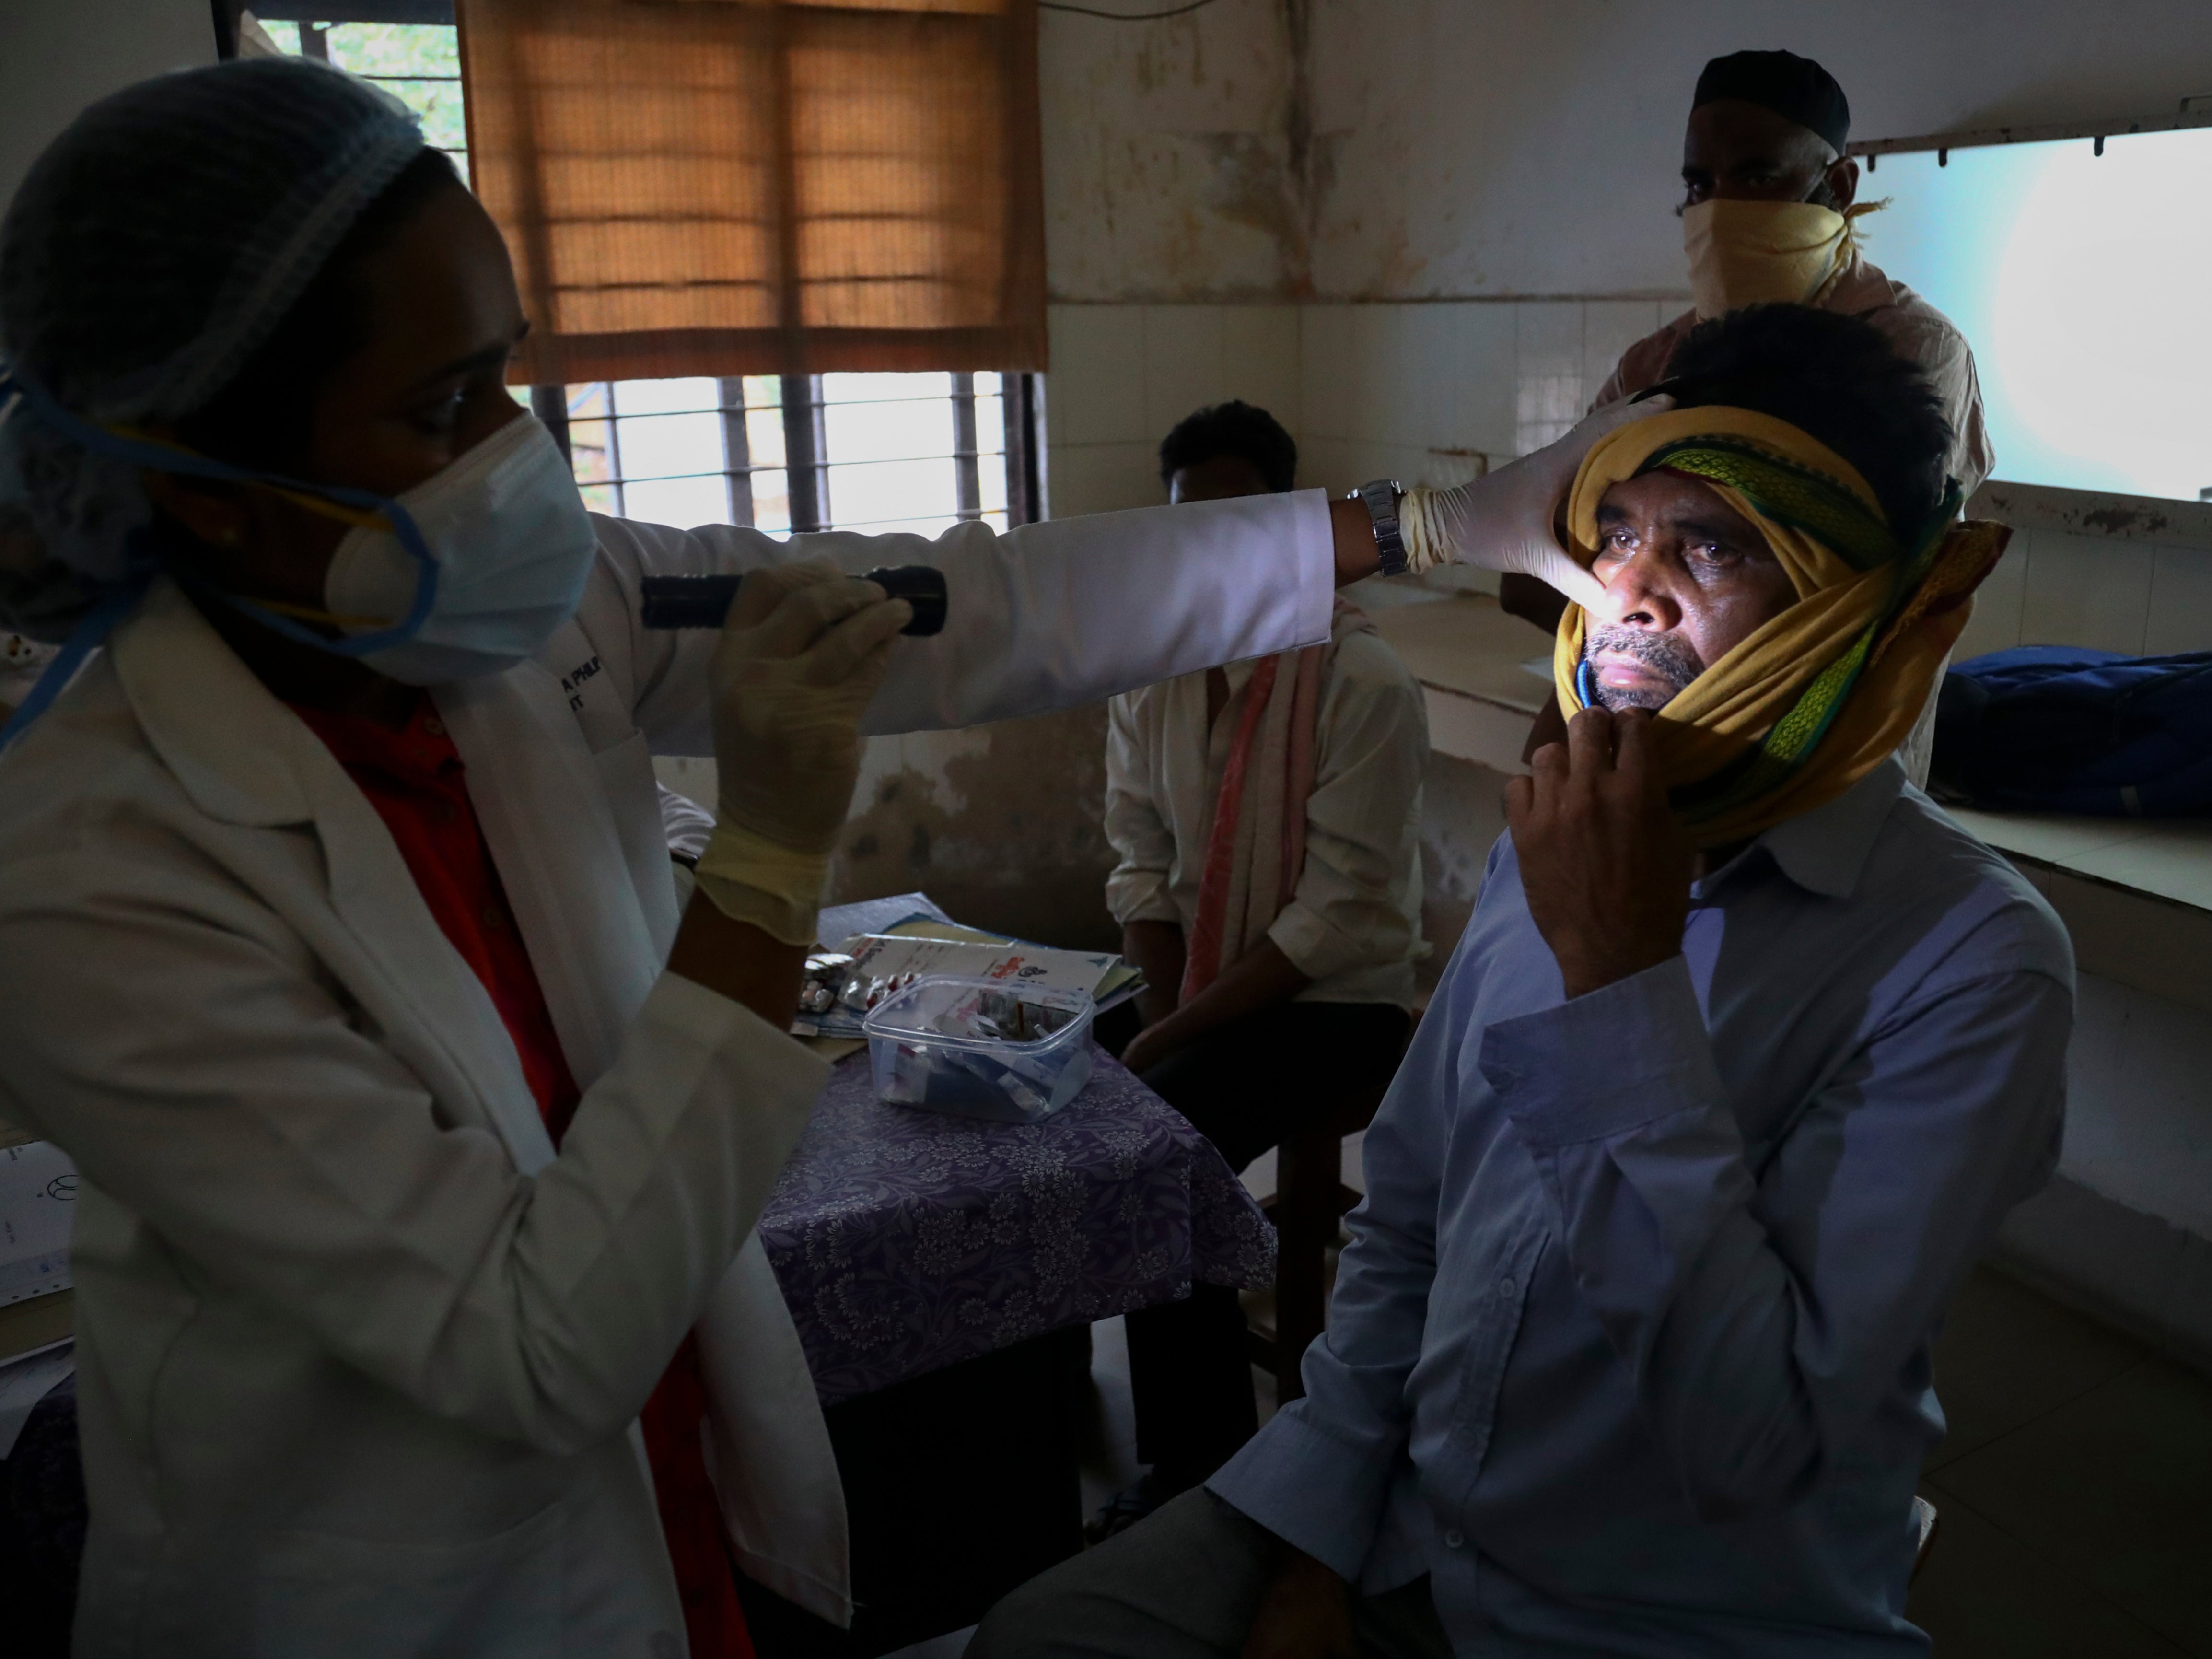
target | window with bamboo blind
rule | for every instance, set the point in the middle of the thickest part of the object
(734, 187)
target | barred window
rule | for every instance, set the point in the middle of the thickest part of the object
(875, 453)
(870, 452)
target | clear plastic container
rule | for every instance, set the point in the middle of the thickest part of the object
(980, 1048)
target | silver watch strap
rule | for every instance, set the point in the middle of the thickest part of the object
(1381, 496)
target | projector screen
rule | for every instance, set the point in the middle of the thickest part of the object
(2081, 282)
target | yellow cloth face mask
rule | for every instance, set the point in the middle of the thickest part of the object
(1749, 253)
(1818, 697)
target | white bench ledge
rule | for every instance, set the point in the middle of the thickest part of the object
(2095, 513)
(2134, 893)
(1478, 666)
(2165, 858)
(2124, 1230)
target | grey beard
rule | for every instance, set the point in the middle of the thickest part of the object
(1667, 655)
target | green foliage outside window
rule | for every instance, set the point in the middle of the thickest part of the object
(420, 63)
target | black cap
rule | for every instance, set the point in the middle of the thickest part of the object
(1795, 89)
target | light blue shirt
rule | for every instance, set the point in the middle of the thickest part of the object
(1630, 1350)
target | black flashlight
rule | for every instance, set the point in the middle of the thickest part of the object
(704, 601)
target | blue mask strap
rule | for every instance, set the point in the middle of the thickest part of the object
(159, 457)
(94, 628)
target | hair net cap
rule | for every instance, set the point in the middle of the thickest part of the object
(156, 244)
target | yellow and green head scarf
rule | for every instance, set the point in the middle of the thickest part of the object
(1820, 697)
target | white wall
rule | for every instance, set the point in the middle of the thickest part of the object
(1121, 375)
(1428, 393)
(1436, 148)
(58, 56)
(1164, 152)
(1534, 147)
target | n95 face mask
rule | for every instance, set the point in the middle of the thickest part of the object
(512, 546)
(469, 573)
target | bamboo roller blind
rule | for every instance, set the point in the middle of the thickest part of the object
(752, 187)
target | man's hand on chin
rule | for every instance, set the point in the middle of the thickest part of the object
(1304, 1614)
(1604, 865)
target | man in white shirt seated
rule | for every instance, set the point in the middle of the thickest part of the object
(1267, 815)
(1745, 1054)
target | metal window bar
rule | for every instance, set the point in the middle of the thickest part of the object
(807, 460)
(967, 479)
(614, 451)
(2192, 112)
(550, 404)
(350, 11)
(806, 452)
(1022, 411)
(737, 449)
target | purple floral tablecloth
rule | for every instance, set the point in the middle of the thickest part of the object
(906, 1240)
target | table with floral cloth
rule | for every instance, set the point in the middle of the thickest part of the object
(907, 1240)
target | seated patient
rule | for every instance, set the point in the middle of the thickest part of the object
(1746, 1051)
(1268, 817)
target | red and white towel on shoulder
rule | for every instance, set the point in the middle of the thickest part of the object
(1255, 840)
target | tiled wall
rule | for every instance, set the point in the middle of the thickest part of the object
(2070, 587)
(1428, 393)
(1121, 375)
(1433, 393)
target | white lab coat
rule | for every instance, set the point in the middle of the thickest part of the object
(360, 1356)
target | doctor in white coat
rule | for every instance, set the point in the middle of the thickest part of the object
(362, 1348)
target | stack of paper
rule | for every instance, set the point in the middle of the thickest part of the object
(843, 921)
(38, 1197)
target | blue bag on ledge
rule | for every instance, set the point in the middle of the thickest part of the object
(2060, 728)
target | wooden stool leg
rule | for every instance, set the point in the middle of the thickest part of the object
(1306, 1216)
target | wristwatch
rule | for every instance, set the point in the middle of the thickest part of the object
(1381, 497)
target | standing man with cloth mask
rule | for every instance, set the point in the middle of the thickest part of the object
(1769, 212)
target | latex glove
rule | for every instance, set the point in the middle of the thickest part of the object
(1505, 520)
(802, 651)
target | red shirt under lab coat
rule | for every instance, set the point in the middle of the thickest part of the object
(414, 780)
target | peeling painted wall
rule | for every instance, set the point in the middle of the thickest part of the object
(2124, 518)
(1179, 156)
(1001, 824)
(1379, 149)
(1532, 149)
